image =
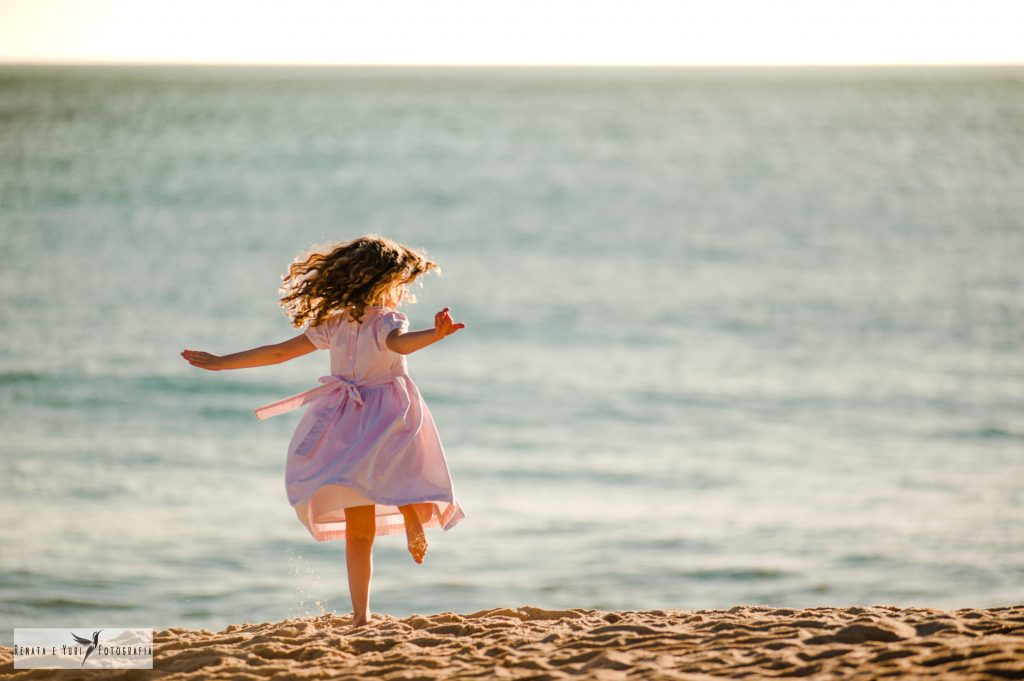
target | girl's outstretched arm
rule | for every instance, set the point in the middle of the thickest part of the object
(411, 341)
(256, 357)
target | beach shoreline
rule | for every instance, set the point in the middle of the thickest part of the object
(533, 643)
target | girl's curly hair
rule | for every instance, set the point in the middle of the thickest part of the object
(349, 276)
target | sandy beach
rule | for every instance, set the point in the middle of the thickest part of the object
(533, 643)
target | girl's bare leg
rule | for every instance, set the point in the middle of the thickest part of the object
(360, 529)
(415, 515)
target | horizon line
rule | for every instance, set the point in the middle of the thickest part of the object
(726, 65)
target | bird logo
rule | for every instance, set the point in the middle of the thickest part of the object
(86, 642)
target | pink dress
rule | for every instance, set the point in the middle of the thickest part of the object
(366, 437)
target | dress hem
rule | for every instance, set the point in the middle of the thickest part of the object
(385, 524)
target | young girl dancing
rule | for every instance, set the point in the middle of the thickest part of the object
(365, 459)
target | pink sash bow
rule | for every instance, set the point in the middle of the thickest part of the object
(331, 384)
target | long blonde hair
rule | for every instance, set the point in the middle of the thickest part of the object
(349, 276)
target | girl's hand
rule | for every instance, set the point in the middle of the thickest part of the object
(443, 325)
(203, 360)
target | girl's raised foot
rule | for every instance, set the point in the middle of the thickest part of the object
(417, 544)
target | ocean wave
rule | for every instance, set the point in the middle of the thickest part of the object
(89, 393)
(19, 377)
(982, 433)
(73, 604)
(735, 573)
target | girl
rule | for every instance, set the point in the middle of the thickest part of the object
(365, 459)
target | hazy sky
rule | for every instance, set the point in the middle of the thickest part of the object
(514, 31)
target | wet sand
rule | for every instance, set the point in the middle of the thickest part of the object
(533, 643)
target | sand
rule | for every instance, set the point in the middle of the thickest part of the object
(532, 643)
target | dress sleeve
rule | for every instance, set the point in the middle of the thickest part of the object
(320, 335)
(388, 322)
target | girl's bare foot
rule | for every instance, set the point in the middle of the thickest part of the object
(417, 543)
(358, 621)
(415, 540)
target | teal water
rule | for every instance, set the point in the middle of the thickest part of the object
(734, 336)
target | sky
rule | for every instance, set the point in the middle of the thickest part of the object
(523, 32)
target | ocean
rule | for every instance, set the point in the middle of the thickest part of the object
(734, 336)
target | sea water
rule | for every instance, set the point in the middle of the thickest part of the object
(733, 336)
